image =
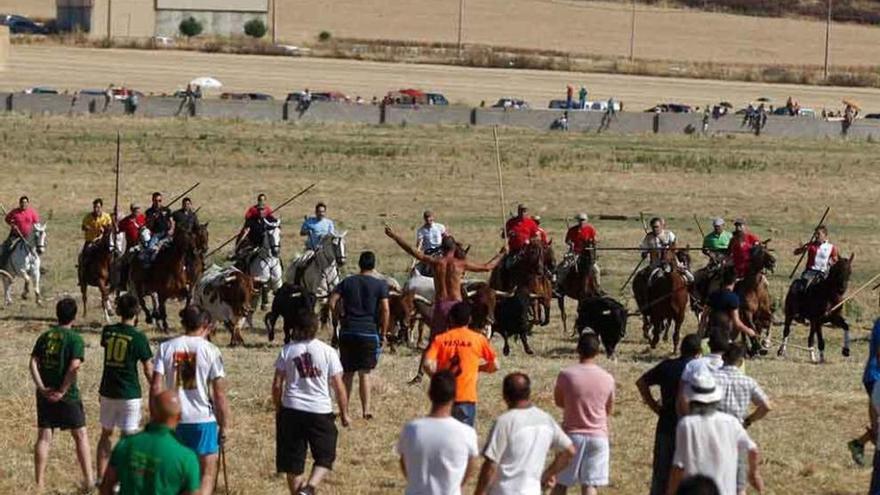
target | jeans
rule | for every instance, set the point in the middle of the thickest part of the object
(466, 412)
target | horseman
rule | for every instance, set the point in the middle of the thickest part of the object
(253, 231)
(717, 243)
(656, 246)
(541, 234)
(160, 226)
(21, 220)
(254, 210)
(519, 230)
(131, 226)
(821, 256)
(314, 229)
(740, 248)
(186, 217)
(429, 238)
(94, 224)
(578, 238)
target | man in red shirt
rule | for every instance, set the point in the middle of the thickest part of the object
(254, 210)
(21, 221)
(578, 238)
(740, 248)
(520, 229)
(131, 226)
(542, 234)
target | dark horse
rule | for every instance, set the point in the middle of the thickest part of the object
(95, 272)
(755, 309)
(579, 282)
(814, 304)
(171, 275)
(528, 269)
(665, 297)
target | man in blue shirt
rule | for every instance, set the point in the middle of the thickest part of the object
(869, 378)
(315, 228)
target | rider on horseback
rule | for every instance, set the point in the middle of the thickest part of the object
(656, 246)
(94, 224)
(428, 240)
(186, 217)
(717, 243)
(159, 228)
(519, 230)
(314, 229)
(740, 248)
(578, 238)
(821, 256)
(21, 220)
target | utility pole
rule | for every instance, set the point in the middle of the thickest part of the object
(460, 25)
(827, 37)
(632, 32)
(274, 22)
(109, 20)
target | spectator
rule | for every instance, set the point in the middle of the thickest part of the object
(305, 372)
(738, 391)
(697, 485)
(582, 98)
(438, 453)
(667, 376)
(870, 378)
(707, 441)
(718, 344)
(124, 348)
(465, 352)
(721, 313)
(193, 366)
(178, 471)
(516, 451)
(55, 363)
(365, 321)
(585, 392)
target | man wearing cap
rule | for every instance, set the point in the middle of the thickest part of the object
(716, 243)
(578, 238)
(707, 441)
(740, 248)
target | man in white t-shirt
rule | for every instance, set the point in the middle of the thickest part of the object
(193, 366)
(438, 453)
(515, 454)
(707, 441)
(430, 235)
(305, 372)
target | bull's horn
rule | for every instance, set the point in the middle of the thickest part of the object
(470, 293)
(535, 296)
(422, 299)
(296, 294)
(501, 293)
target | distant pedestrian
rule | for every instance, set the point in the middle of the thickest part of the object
(707, 441)
(870, 378)
(365, 320)
(585, 392)
(438, 454)
(124, 348)
(517, 448)
(667, 376)
(582, 98)
(569, 97)
(466, 353)
(55, 363)
(738, 393)
(108, 97)
(154, 462)
(192, 366)
(305, 373)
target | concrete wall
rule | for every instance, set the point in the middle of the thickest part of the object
(159, 106)
(246, 110)
(220, 23)
(42, 104)
(532, 119)
(5, 102)
(320, 112)
(127, 18)
(631, 123)
(801, 127)
(428, 114)
(680, 123)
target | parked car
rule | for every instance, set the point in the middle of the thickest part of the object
(91, 92)
(558, 105)
(22, 25)
(319, 96)
(414, 97)
(40, 90)
(802, 112)
(671, 108)
(872, 116)
(246, 96)
(514, 103)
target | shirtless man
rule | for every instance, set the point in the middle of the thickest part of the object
(448, 272)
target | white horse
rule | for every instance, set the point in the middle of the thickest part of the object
(264, 265)
(318, 273)
(24, 261)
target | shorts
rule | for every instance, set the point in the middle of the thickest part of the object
(466, 412)
(64, 414)
(202, 438)
(742, 470)
(869, 387)
(124, 414)
(297, 430)
(358, 352)
(440, 316)
(591, 462)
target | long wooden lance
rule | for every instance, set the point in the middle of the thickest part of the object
(853, 294)
(181, 195)
(500, 183)
(812, 239)
(116, 195)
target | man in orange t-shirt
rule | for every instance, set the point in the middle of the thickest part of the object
(465, 352)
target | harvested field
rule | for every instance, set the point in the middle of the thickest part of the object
(370, 175)
(73, 69)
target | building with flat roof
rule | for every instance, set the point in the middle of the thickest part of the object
(148, 18)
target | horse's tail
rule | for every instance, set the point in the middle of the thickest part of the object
(8, 276)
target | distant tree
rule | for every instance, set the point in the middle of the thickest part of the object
(324, 36)
(255, 28)
(190, 27)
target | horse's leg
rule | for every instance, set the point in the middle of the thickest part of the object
(525, 341)
(821, 340)
(656, 329)
(677, 331)
(27, 287)
(84, 289)
(839, 321)
(7, 290)
(162, 319)
(36, 275)
(545, 305)
(269, 320)
(143, 303)
(506, 348)
(786, 330)
(810, 340)
(562, 315)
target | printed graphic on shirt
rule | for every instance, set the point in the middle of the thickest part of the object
(305, 366)
(185, 365)
(116, 350)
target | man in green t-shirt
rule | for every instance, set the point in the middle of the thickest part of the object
(153, 462)
(54, 364)
(715, 244)
(124, 347)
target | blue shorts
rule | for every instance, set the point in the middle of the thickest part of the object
(466, 412)
(200, 437)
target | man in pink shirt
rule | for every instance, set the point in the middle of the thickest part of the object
(585, 392)
(21, 221)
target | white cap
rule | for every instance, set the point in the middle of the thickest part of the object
(718, 222)
(581, 217)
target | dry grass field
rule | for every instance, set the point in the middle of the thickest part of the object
(369, 175)
(73, 69)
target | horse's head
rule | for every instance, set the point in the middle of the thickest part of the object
(200, 236)
(38, 237)
(839, 274)
(272, 237)
(761, 259)
(683, 257)
(337, 244)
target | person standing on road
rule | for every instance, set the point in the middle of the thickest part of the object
(192, 366)
(438, 454)
(464, 352)
(305, 372)
(365, 322)
(516, 451)
(124, 348)
(154, 462)
(585, 393)
(55, 363)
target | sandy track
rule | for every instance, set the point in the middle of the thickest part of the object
(164, 72)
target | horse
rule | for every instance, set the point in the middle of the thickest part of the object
(95, 269)
(577, 282)
(666, 296)
(263, 264)
(319, 274)
(166, 277)
(527, 269)
(24, 261)
(813, 306)
(755, 308)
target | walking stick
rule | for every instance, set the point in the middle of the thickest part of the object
(631, 275)
(223, 463)
(500, 182)
(812, 238)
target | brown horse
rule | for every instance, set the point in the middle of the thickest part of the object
(579, 282)
(813, 304)
(167, 277)
(527, 269)
(755, 308)
(95, 269)
(665, 296)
